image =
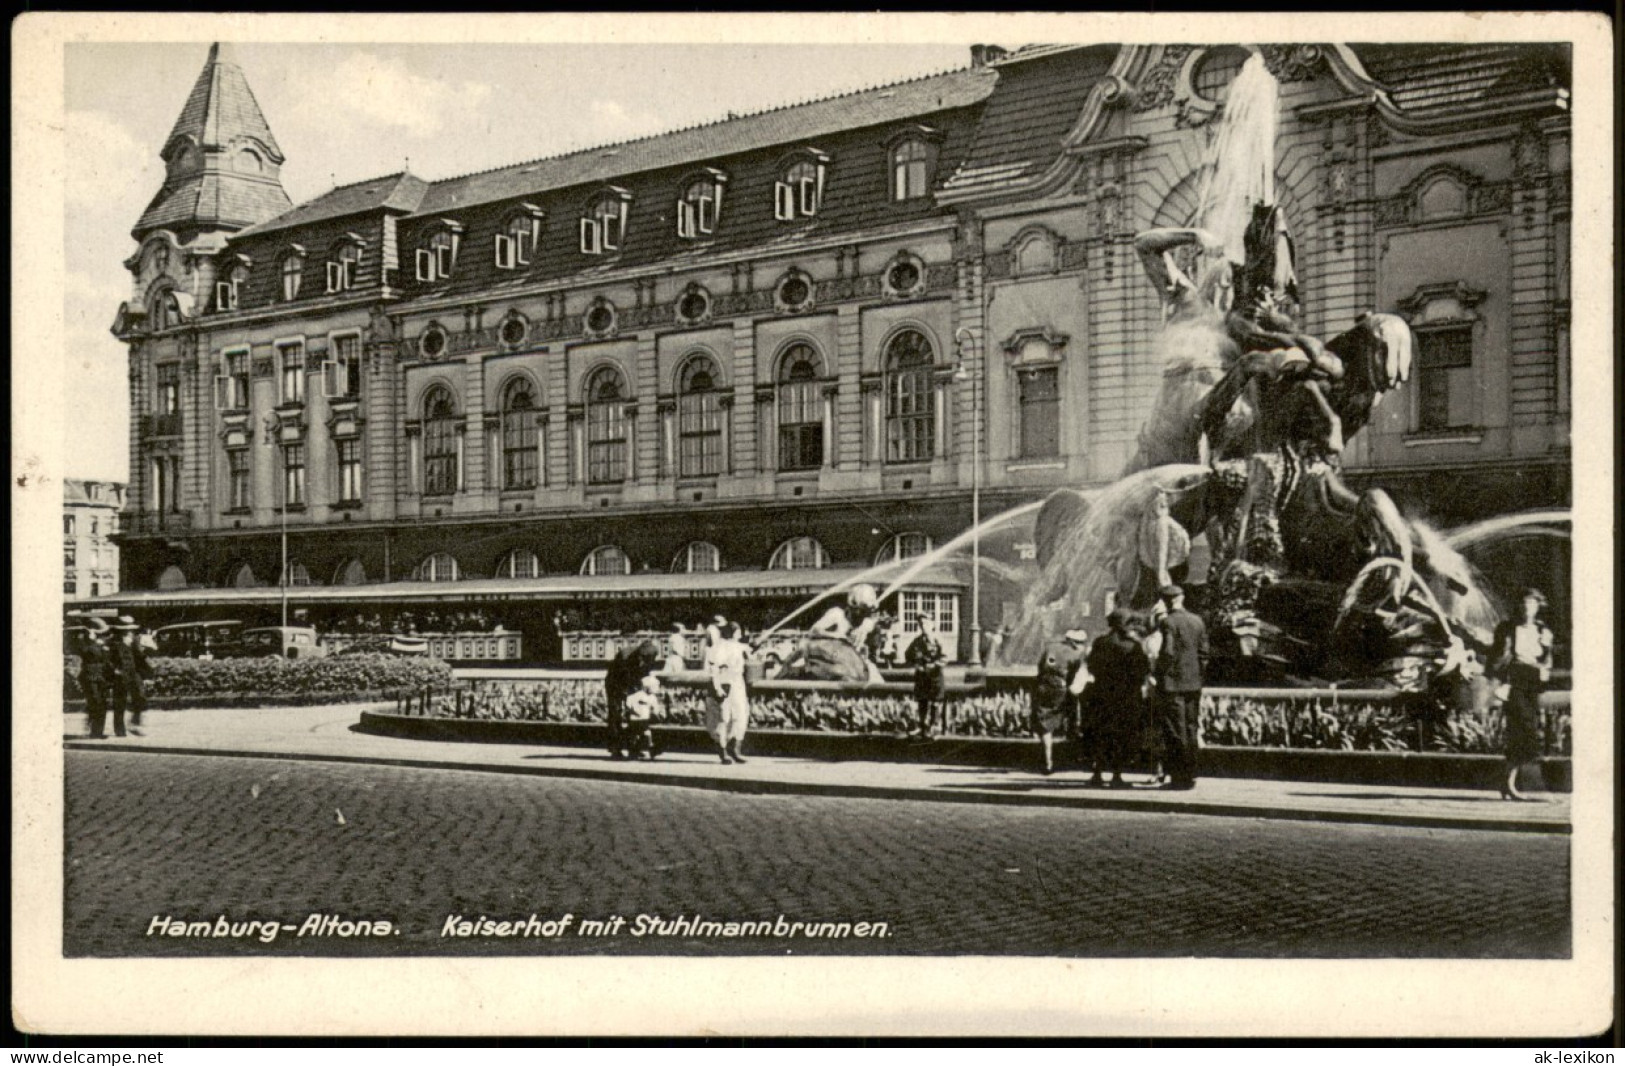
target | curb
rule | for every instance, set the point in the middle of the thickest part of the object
(760, 786)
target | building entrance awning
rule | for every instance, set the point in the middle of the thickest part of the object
(726, 584)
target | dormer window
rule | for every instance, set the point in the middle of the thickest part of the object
(801, 192)
(343, 266)
(166, 311)
(227, 292)
(437, 256)
(520, 235)
(701, 205)
(293, 272)
(913, 166)
(604, 224)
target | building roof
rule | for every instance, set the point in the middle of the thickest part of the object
(400, 192)
(222, 108)
(1430, 77)
(203, 190)
(78, 493)
(1042, 90)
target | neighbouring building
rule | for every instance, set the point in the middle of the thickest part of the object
(728, 367)
(90, 555)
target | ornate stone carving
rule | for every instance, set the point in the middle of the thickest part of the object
(1156, 89)
(1293, 62)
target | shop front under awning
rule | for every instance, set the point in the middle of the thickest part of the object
(721, 585)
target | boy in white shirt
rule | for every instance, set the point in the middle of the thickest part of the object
(641, 708)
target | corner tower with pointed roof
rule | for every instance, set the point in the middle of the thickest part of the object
(222, 163)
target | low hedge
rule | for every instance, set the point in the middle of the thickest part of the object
(1273, 721)
(340, 676)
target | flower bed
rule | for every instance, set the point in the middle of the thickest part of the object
(335, 679)
(1275, 720)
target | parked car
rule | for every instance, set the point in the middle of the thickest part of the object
(290, 642)
(196, 640)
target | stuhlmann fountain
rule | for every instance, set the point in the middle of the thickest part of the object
(1238, 465)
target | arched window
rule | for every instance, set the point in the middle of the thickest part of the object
(911, 169)
(439, 443)
(604, 224)
(911, 422)
(249, 161)
(801, 409)
(437, 256)
(228, 293)
(799, 553)
(521, 562)
(699, 419)
(801, 192)
(519, 455)
(351, 573)
(438, 567)
(172, 578)
(343, 264)
(1215, 72)
(700, 207)
(165, 311)
(296, 575)
(606, 561)
(698, 557)
(243, 578)
(606, 427)
(293, 272)
(904, 546)
(518, 240)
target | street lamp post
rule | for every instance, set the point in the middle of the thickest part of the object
(966, 338)
(280, 476)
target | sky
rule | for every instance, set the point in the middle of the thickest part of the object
(345, 112)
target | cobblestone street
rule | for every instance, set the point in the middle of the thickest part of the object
(194, 838)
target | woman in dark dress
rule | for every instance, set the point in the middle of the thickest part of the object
(1523, 660)
(1120, 667)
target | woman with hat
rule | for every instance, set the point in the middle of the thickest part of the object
(1120, 668)
(1522, 658)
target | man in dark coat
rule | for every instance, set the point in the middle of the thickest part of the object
(95, 675)
(1119, 666)
(1181, 665)
(130, 673)
(623, 677)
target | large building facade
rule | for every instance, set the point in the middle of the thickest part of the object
(784, 347)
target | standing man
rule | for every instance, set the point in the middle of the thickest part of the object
(130, 673)
(1181, 665)
(1120, 668)
(725, 663)
(95, 675)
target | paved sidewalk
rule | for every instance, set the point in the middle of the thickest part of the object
(328, 734)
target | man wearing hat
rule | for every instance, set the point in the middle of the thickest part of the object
(130, 673)
(95, 669)
(1181, 665)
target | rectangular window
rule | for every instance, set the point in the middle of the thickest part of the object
(1444, 377)
(293, 475)
(911, 417)
(293, 372)
(70, 555)
(169, 388)
(606, 443)
(700, 434)
(343, 369)
(231, 388)
(69, 525)
(440, 457)
(519, 449)
(941, 607)
(1040, 413)
(70, 587)
(95, 526)
(349, 459)
(237, 468)
(591, 237)
(801, 426)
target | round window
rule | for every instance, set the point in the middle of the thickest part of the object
(903, 277)
(693, 306)
(600, 319)
(513, 332)
(794, 291)
(433, 342)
